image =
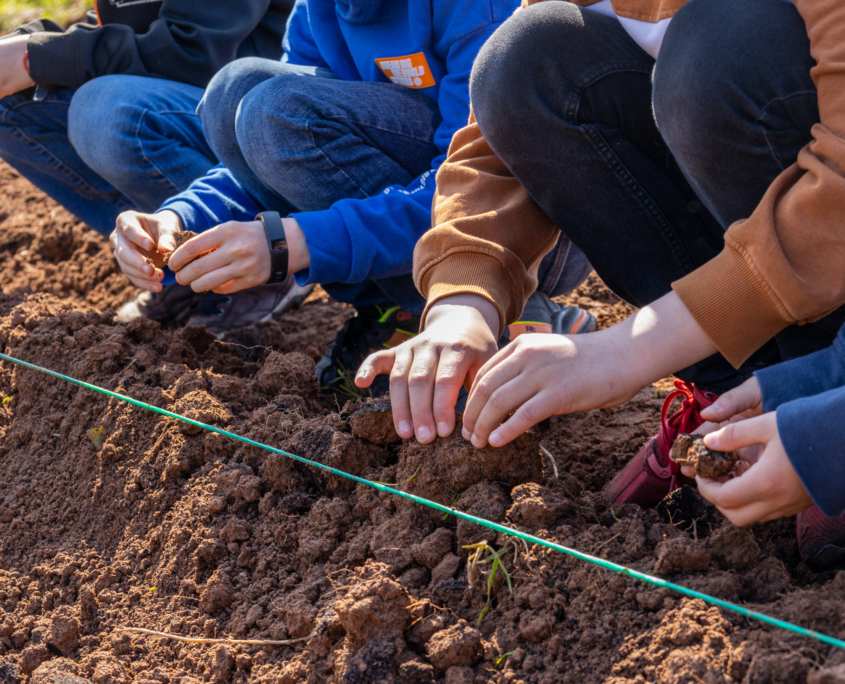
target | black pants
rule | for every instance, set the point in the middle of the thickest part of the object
(644, 165)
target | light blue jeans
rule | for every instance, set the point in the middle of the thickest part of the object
(117, 143)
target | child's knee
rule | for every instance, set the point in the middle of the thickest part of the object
(278, 115)
(101, 120)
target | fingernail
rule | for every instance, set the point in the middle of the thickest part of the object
(423, 433)
(148, 245)
(495, 439)
(465, 433)
(476, 441)
(405, 428)
(443, 429)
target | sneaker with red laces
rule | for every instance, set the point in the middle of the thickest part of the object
(821, 540)
(651, 474)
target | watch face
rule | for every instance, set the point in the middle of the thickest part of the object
(280, 245)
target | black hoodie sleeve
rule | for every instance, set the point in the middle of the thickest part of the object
(189, 42)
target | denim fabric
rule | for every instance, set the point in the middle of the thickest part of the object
(302, 144)
(565, 97)
(117, 143)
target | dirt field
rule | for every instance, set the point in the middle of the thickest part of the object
(112, 517)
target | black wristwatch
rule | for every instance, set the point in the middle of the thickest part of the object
(278, 245)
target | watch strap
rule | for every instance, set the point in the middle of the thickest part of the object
(277, 241)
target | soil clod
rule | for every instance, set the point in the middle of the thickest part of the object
(181, 238)
(689, 450)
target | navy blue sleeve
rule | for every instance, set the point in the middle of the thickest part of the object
(211, 200)
(189, 43)
(803, 377)
(342, 241)
(812, 432)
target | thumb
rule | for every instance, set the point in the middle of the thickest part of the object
(380, 363)
(736, 401)
(743, 433)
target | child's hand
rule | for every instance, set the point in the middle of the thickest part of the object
(770, 488)
(13, 74)
(428, 371)
(745, 401)
(241, 258)
(142, 238)
(537, 376)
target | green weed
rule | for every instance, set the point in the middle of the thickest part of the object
(494, 557)
(454, 501)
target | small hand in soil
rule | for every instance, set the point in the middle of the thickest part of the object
(689, 450)
(181, 238)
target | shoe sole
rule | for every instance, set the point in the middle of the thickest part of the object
(295, 296)
(829, 557)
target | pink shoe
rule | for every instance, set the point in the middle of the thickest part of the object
(651, 474)
(821, 540)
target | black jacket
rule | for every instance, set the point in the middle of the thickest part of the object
(179, 40)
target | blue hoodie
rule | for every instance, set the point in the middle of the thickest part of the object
(808, 394)
(362, 40)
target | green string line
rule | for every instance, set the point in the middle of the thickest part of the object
(607, 565)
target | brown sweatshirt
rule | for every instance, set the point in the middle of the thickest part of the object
(784, 264)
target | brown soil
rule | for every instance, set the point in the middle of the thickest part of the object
(166, 527)
(689, 450)
(181, 238)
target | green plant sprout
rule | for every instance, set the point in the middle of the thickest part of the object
(502, 657)
(454, 501)
(399, 484)
(347, 387)
(96, 436)
(5, 401)
(497, 563)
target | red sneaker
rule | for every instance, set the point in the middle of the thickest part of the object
(821, 540)
(651, 474)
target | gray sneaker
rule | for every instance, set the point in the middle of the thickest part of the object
(542, 315)
(172, 304)
(219, 313)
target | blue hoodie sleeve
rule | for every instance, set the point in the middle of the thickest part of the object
(218, 197)
(298, 43)
(343, 243)
(812, 432)
(803, 377)
(211, 200)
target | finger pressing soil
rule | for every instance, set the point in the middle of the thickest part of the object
(181, 238)
(689, 450)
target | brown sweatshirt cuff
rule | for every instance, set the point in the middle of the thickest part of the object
(470, 273)
(729, 300)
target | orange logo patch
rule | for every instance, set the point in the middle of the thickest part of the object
(411, 71)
